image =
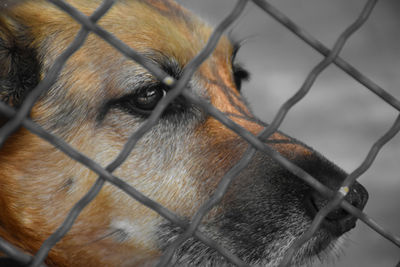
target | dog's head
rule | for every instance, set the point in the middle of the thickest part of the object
(100, 99)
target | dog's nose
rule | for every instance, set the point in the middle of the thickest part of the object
(338, 221)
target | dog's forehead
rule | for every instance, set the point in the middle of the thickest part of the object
(142, 24)
(167, 28)
(174, 32)
(151, 27)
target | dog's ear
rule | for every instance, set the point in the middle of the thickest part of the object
(19, 66)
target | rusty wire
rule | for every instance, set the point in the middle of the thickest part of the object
(19, 118)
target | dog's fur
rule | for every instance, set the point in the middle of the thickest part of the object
(94, 106)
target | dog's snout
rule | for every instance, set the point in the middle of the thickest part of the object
(338, 221)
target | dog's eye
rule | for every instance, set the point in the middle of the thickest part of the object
(146, 99)
(142, 101)
(239, 75)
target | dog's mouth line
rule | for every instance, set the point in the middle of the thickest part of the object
(327, 218)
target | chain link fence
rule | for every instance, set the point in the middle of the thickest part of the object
(256, 143)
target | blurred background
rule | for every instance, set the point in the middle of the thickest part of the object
(339, 117)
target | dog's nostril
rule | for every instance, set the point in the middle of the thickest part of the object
(358, 196)
(338, 221)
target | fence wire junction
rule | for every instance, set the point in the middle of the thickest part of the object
(20, 118)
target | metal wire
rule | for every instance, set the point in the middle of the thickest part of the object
(14, 252)
(248, 155)
(321, 48)
(19, 118)
(336, 201)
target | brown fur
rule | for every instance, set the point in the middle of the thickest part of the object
(178, 163)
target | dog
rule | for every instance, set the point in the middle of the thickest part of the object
(100, 99)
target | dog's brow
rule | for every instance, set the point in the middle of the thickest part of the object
(167, 63)
(135, 77)
(130, 76)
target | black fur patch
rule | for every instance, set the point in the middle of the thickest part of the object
(20, 71)
(8, 262)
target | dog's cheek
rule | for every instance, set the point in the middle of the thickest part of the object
(161, 164)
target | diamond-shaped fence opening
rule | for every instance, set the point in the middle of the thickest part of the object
(331, 56)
